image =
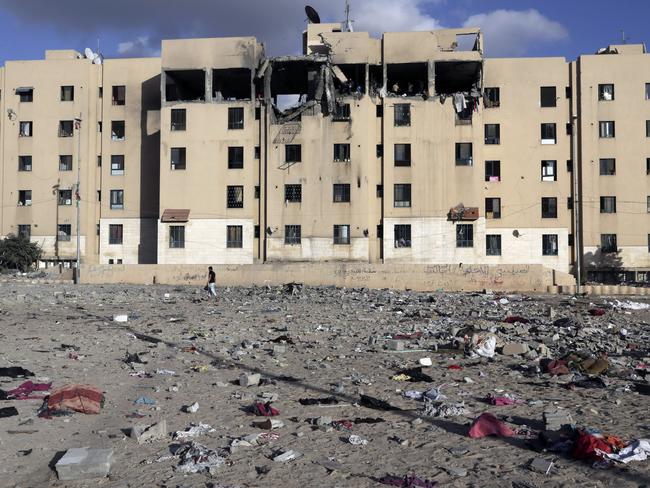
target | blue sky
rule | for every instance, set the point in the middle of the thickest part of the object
(134, 27)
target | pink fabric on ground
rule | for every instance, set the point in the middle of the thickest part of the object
(487, 424)
(24, 391)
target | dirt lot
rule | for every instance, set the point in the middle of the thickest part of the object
(342, 349)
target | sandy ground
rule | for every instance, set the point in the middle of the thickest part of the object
(340, 350)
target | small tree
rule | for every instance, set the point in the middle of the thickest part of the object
(18, 253)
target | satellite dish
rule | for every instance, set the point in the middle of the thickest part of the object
(516, 233)
(98, 59)
(89, 53)
(312, 15)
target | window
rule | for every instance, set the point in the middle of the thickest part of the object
(292, 193)
(647, 166)
(26, 94)
(548, 133)
(464, 154)
(492, 208)
(402, 235)
(99, 161)
(402, 154)
(176, 236)
(256, 232)
(380, 231)
(648, 204)
(493, 171)
(341, 112)
(647, 91)
(492, 134)
(26, 129)
(117, 164)
(117, 130)
(257, 192)
(64, 232)
(178, 158)
(24, 163)
(379, 110)
(493, 245)
(569, 203)
(606, 92)
(607, 166)
(24, 198)
(235, 197)
(99, 126)
(549, 207)
(341, 234)
(292, 235)
(607, 204)
(256, 152)
(292, 153)
(380, 150)
(647, 128)
(608, 243)
(606, 129)
(235, 118)
(100, 92)
(65, 162)
(235, 157)
(569, 165)
(178, 119)
(547, 96)
(24, 231)
(234, 236)
(549, 170)
(66, 128)
(65, 197)
(99, 195)
(117, 199)
(67, 93)
(341, 152)
(341, 192)
(119, 95)
(464, 235)
(491, 97)
(402, 114)
(380, 191)
(549, 244)
(402, 195)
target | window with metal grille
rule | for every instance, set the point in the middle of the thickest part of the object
(491, 97)
(119, 95)
(607, 204)
(115, 234)
(117, 164)
(235, 157)
(341, 192)
(492, 134)
(26, 94)
(549, 207)
(464, 154)
(67, 93)
(24, 163)
(64, 232)
(606, 92)
(606, 129)
(493, 245)
(548, 133)
(176, 236)
(402, 114)
(66, 128)
(608, 243)
(65, 197)
(292, 193)
(26, 129)
(492, 208)
(464, 235)
(607, 166)
(292, 153)
(235, 197)
(402, 234)
(25, 231)
(24, 198)
(549, 244)
(341, 152)
(402, 195)
(341, 234)
(65, 162)
(178, 155)
(235, 118)
(493, 171)
(402, 154)
(547, 96)
(549, 170)
(234, 237)
(178, 119)
(342, 112)
(292, 234)
(117, 199)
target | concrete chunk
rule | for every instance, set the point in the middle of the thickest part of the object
(250, 379)
(153, 432)
(515, 349)
(395, 345)
(81, 463)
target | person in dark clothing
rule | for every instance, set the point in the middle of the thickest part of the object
(212, 285)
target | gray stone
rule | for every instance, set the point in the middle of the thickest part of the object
(395, 345)
(250, 379)
(81, 463)
(555, 419)
(515, 349)
(278, 349)
(541, 465)
(146, 433)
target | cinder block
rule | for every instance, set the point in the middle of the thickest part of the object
(82, 463)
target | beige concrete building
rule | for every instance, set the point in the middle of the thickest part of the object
(411, 148)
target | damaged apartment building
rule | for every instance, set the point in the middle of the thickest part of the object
(410, 148)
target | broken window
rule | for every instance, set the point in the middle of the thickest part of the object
(65, 197)
(493, 245)
(606, 92)
(292, 153)
(402, 154)
(231, 84)
(402, 195)
(118, 130)
(492, 208)
(178, 158)
(549, 244)
(64, 232)
(376, 75)
(457, 77)
(408, 79)
(607, 204)
(549, 207)
(492, 134)
(607, 166)
(66, 128)
(24, 198)
(493, 171)
(24, 163)
(26, 94)
(402, 235)
(235, 118)
(185, 85)
(548, 133)
(491, 97)
(606, 129)
(178, 119)
(292, 235)
(341, 192)
(234, 236)
(292, 193)
(117, 164)
(25, 231)
(235, 157)
(119, 95)
(402, 114)
(67, 93)
(341, 234)
(547, 96)
(235, 197)
(464, 154)
(341, 112)
(65, 162)
(549, 170)
(117, 199)
(608, 243)
(25, 129)
(341, 152)
(176, 236)
(350, 79)
(464, 235)
(115, 234)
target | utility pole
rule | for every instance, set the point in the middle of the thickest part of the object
(77, 123)
(577, 218)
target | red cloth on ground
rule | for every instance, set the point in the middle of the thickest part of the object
(80, 398)
(586, 444)
(557, 368)
(487, 424)
(265, 410)
(24, 391)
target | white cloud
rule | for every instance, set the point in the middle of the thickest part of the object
(378, 16)
(139, 47)
(512, 32)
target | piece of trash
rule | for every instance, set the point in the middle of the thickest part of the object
(289, 455)
(319, 401)
(269, 424)
(84, 463)
(541, 465)
(8, 412)
(637, 450)
(500, 401)
(25, 390)
(355, 440)
(193, 431)
(120, 318)
(406, 481)
(15, 372)
(556, 419)
(78, 398)
(265, 409)
(196, 458)
(442, 409)
(425, 361)
(192, 408)
(487, 424)
(483, 346)
(152, 432)
(144, 400)
(253, 440)
(250, 379)
(165, 372)
(414, 375)
(375, 403)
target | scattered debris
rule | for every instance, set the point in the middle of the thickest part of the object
(84, 463)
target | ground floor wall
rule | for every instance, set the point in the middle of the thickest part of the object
(317, 249)
(139, 241)
(67, 250)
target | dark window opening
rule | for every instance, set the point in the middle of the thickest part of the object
(380, 150)
(234, 236)
(231, 84)
(292, 235)
(292, 193)
(66, 128)
(608, 243)
(492, 208)
(547, 96)
(64, 232)
(493, 245)
(492, 134)
(607, 204)
(235, 118)
(549, 207)
(256, 152)
(456, 76)
(569, 165)
(408, 79)
(119, 95)
(493, 171)
(380, 191)
(115, 234)
(65, 197)
(292, 153)
(256, 192)
(67, 93)
(117, 199)
(185, 85)
(549, 170)
(341, 234)
(26, 129)
(341, 152)
(118, 130)
(402, 235)
(402, 114)
(65, 162)
(25, 198)
(402, 154)
(376, 75)
(548, 133)
(235, 197)
(341, 112)
(117, 164)
(178, 158)
(464, 154)
(549, 245)
(379, 111)
(235, 157)
(25, 231)
(258, 113)
(464, 235)
(256, 232)
(353, 81)
(606, 129)
(606, 92)
(491, 97)
(402, 195)
(569, 203)
(380, 231)
(647, 128)
(26, 94)
(24, 163)
(607, 166)
(176, 236)
(179, 119)
(341, 192)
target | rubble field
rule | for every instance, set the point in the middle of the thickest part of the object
(320, 386)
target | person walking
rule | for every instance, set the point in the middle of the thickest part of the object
(212, 285)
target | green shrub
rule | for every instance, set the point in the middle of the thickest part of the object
(18, 253)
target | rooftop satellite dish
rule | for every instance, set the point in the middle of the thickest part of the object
(98, 59)
(89, 53)
(516, 233)
(312, 15)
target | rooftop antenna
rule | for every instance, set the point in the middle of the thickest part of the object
(348, 22)
(623, 38)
